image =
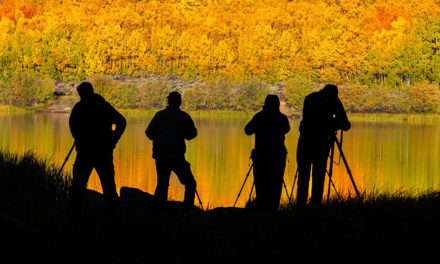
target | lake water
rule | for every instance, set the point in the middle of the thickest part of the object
(384, 157)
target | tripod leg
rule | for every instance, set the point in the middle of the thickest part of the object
(330, 172)
(200, 201)
(294, 182)
(287, 192)
(334, 187)
(66, 159)
(247, 175)
(348, 169)
(252, 189)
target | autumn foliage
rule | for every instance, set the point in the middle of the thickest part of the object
(379, 44)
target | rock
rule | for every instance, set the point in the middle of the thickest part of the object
(277, 88)
(133, 198)
(227, 211)
(93, 199)
(59, 93)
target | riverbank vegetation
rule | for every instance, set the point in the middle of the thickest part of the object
(36, 225)
(28, 91)
(383, 54)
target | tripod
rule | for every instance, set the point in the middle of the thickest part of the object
(66, 159)
(242, 186)
(200, 201)
(253, 185)
(334, 140)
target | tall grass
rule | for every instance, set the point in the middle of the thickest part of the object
(29, 184)
(389, 227)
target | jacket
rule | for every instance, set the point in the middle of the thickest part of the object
(168, 130)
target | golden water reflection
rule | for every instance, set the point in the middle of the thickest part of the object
(382, 156)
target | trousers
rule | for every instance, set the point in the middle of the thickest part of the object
(181, 167)
(102, 162)
(268, 179)
(312, 154)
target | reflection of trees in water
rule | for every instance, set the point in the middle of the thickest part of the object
(383, 156)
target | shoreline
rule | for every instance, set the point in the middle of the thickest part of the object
(361, 117)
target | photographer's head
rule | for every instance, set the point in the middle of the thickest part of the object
(85, 90)
(330, 90)
(174, 99)
(272, 103)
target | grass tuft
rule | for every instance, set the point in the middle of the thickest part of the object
(35, 224)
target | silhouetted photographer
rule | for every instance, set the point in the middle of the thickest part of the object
(91, 124)
(323, 115)
(168, 130)
(269, 155)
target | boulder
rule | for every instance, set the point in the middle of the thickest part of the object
(133, 198)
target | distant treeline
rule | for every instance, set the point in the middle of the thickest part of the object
(27, 90)
(382, 53)
(380, 43)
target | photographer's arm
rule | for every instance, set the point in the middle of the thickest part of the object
(120, 122)
(190, 129)
(341, 117)
(151, 129)
(251, 127)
